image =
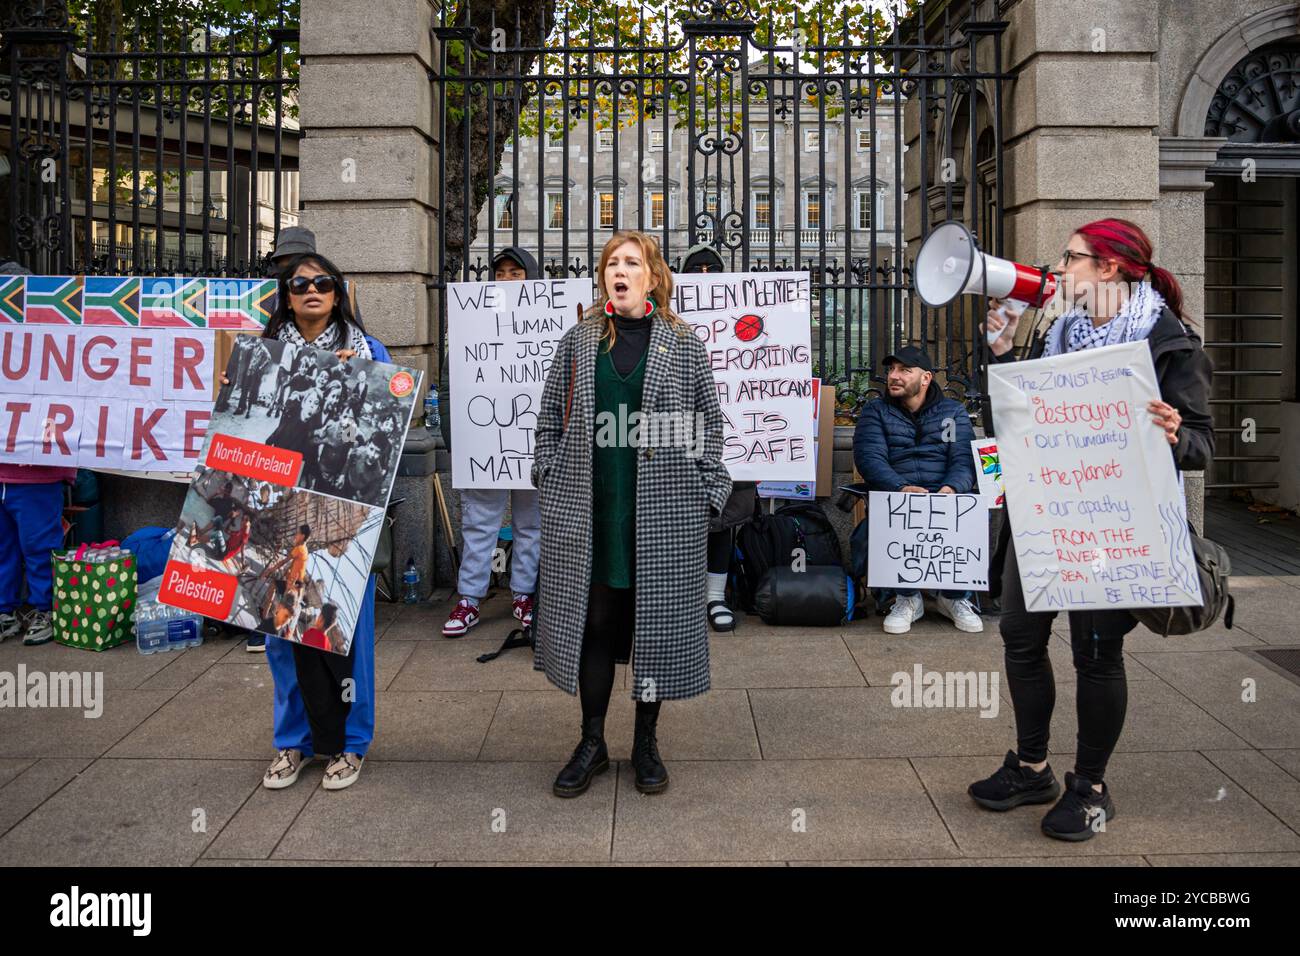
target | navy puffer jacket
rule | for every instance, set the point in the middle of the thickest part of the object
(893, 448)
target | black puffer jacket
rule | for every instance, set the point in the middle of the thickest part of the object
(1183, 372)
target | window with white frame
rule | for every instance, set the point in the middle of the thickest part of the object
(604, 140)
(657, 208)
(504, 210)
(865, 209)
(656, 139)
(510, 145)
(812, 140)
(762, 209)
(864, 140)
(607, 211)
(817, 210)
(555, 209)
(762, 139)
(554, 139)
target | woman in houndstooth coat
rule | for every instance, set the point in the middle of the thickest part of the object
(625, 506)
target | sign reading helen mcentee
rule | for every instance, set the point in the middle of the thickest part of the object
(279, 528)
(1097, 514)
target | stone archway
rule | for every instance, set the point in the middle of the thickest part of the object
(1261, 29)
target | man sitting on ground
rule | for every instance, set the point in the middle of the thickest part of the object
(918, 441)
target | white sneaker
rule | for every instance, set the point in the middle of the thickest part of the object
(905, 611)
(962, 614)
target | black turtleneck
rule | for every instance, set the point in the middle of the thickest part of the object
(630, 343)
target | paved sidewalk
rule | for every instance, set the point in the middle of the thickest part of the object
(796, 756)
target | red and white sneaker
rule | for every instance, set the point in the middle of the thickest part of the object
(524, 609)
(464, 616)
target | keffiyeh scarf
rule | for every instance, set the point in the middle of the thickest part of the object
(1132, 323)
(331, 340)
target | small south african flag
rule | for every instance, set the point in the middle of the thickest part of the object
(112, 300)
(11, 299)
(53, 300)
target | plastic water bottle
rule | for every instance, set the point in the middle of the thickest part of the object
(161, 627)
(432, 417)
(412, 581)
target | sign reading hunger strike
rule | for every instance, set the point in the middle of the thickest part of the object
(1097, 515)
(757, 329)
(114, 371)
(500, 340)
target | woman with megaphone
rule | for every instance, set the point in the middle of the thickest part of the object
(1114, 293)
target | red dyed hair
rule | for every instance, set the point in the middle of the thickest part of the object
(1128, 245)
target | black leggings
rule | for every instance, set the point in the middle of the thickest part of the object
(606, 641)
(720, 551)
(1097, 638)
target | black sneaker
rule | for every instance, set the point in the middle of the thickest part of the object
(1081, 813)
(1013, 785)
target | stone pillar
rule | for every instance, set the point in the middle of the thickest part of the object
(367, 161)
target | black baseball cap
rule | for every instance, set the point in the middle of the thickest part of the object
(911, 356)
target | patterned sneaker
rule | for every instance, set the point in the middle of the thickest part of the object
(284, 769)
(1081, 813)
(40, 629)
(523, 610)
(10, 624)
(342, 771)
(463, 617)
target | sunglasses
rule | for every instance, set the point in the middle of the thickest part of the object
(298, 285)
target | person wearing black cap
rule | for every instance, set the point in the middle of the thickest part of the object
(918, 441)
(740, 505)
(481, 511)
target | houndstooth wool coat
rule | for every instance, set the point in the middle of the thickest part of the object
(675, 490)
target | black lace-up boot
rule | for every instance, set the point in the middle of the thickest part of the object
(651, 774)
(589, 758)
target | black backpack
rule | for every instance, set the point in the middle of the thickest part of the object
(1212, 567)
(770, 540)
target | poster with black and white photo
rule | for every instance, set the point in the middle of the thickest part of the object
(757, 327)
(279, 528)
(501, 337)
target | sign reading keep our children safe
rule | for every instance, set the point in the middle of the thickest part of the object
(1097, 515)
(115, 371)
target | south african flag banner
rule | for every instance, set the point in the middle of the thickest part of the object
(240, 303)
(11, 299)
(170, 302)
(53, 300)
(112, 300)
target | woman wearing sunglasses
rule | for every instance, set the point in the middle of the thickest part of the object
(1115, 294)
(313, 716)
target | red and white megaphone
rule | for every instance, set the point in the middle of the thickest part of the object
(950, 264)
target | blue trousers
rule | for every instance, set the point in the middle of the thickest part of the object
(292, 729)
(31, 526)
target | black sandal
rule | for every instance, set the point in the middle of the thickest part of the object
(719, 609)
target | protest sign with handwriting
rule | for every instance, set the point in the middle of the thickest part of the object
(1097, 515)
(757, 329)
(501, 337)
(928, 541)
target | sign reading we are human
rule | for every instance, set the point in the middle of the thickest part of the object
(1097, 515)
(114, 371)
(757, 329)
(501, 337)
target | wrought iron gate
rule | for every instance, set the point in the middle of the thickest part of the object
(141, 147)
(782, 145)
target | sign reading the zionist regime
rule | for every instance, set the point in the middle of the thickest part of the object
(501, 337)
(757, 329)
(115, 372)
(1097, 515)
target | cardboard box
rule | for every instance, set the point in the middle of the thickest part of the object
(825, 441)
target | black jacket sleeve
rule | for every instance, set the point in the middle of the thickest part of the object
(1185, 384)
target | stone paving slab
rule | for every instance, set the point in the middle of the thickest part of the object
(446, 811)
(780, 810)
(131, 813)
